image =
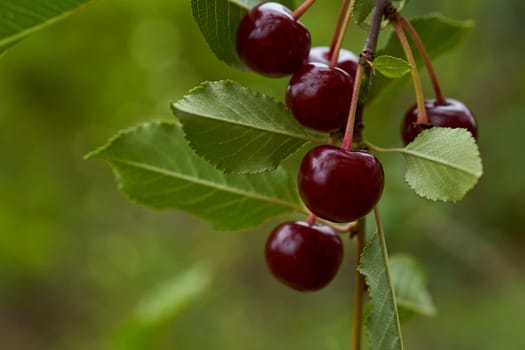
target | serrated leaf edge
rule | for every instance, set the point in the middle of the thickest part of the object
(354, 15)
(476, 175)
(256, 94)
(384, 253)
(98, 153)
(217, 166)
(307, 136)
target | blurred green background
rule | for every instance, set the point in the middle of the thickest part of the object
(76, 257)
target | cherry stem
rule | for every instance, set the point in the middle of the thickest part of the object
(340, 34)
(426, 58)
(310, 220)
(338, 27)
(359, 287)
(349, 132)
(421, 111)
(366, 57)
(348, 228)
(384, 150)
(302, 9)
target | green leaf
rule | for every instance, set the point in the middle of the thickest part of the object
(19, 18)
(443, 164)
(238, 130)
(148, 323)
(383, 327)
(410, 284)
(391, 67)
(218, 21)
(439, 35)
(155, 167)
(361, 10)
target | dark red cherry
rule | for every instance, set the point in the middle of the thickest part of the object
(451, 114)
(319, 96)
(304, 257)
(271, 41)
(347, 60)
(340, 185)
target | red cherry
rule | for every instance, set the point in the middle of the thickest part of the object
(302, 256)
(347, 60)
(340, 185)
(319, 96)
(271, 41)
(451, 114)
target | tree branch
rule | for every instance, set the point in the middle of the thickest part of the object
(365, 60)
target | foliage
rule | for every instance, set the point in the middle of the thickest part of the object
(391, 67)
(161, 306)
(409, 281)
(383, 325)
(443, 164)
(23, 17)
(218, 21)
(240, 131)
(149, 173)
(439, 34)
(362, 9)
(265, 132)
(83, 238)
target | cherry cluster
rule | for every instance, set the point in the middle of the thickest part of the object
(336, 184)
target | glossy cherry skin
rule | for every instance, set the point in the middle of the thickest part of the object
(319, 96)
(347, 60)
(451, 114)
(271, 42)
(304, 257)
(339, 185)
